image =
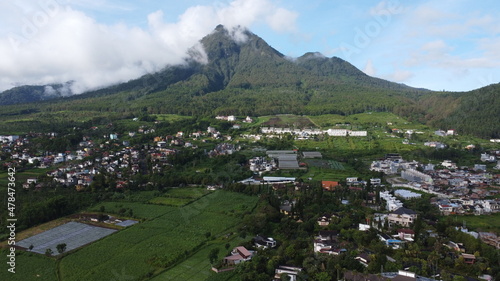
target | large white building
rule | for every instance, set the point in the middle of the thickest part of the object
(358, 133)
(337, 132)
(416, 176)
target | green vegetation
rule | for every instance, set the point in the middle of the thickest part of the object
(181, 228)
(158, 243)
(30, 266)
(140, 210)
(254, 79)
(484, 223)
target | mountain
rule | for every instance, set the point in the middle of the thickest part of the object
(26, 94)
(239, 73)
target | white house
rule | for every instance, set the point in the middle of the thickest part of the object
(290, 271)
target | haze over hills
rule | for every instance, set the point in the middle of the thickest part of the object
(240, 74)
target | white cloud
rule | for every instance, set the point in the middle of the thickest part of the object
(53, 42)
(399, 76)
(281, 19)
(439, 54)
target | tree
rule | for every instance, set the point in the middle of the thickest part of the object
(213, 255)
(48, 252)
(31, 247)
(61, 248)
(322, 276)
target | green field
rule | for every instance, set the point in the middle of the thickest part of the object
(158, 243)
(178, 197)
(363, 119)
(29, 266)
(171, 117)
(140, 210)
(327, 164)
(172, 242)
(481, 223)
(170, 201)
(188, 192)
(198, 267)
(285, 120)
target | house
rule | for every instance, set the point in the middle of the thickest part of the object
(468, 258)
(238, 255)
(326, 243)
(391, 242)
(406, 234)
(363, 227)
(402, 216)
(324, 220)
(363, 258)
(264, 242)
(286, 208)
(290, 271)
(405, 276)
(329, 185)
(445, 209)
(351, 180)
(459, 247)
(356, 276)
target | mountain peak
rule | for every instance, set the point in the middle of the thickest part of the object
(313, 55)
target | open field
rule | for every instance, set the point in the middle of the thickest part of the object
(140, 210)
(170, 201)
(481, 223)
(287, 120)
(198, 267)
(328, 164)
(29, 266)
(178, 197)
(187, 192)
(171, 117)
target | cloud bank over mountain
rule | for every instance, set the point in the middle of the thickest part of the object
(44, 42)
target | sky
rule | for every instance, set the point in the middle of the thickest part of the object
(450, 45)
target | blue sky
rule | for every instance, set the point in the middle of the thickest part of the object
(439, 45)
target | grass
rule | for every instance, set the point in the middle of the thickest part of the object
(170, 117)
(198, 267)
(178, 197)
(481, 223)
(188, 192)
(169, 201)
(285, 120)
(140, 210)
(29, 266)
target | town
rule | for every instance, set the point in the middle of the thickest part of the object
(316, 207)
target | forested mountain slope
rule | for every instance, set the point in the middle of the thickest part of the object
(243, 75)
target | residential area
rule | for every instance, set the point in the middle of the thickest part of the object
(316, 211)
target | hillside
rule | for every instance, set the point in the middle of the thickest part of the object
(474, 112)
(249, 77)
